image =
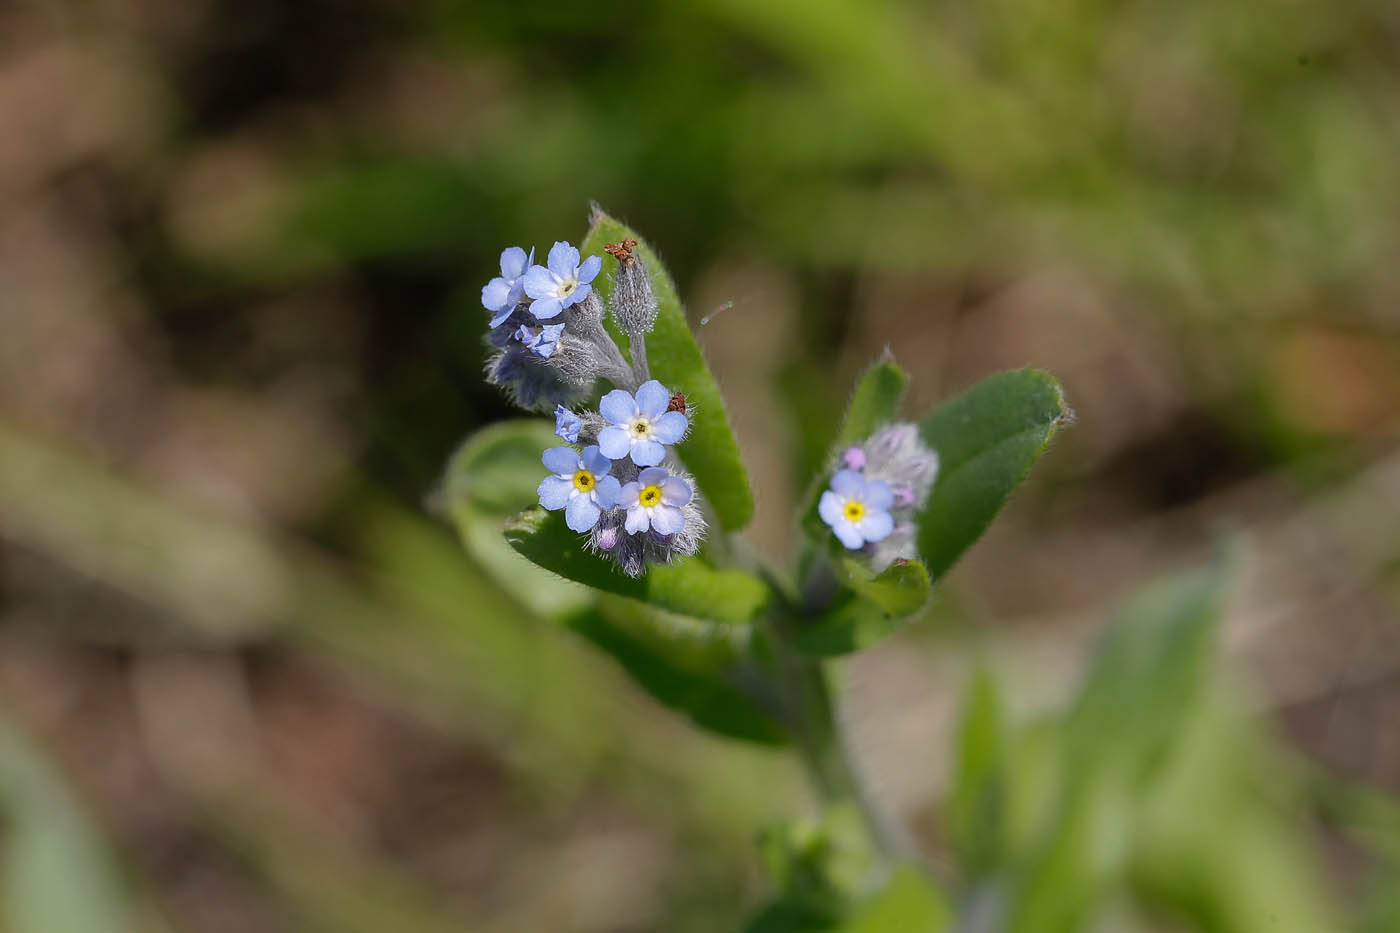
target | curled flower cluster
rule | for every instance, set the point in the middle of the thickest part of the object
(881, 483)
(617, 481)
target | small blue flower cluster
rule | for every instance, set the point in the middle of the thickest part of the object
(611, 481)
(874, 494)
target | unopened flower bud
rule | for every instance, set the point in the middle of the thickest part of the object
(634, 304)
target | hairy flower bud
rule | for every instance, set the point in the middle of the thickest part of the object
(634, 304)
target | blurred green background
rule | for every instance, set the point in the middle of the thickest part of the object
(247, 682)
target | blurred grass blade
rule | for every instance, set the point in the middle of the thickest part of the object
(871, 609)
(1142, 693)
(699, 669)
(54, 874)
(710, 451)
(690, 587)
(975, 803)
(987, 440)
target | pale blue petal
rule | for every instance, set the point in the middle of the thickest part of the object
(589, 270)
(495, 295)
(670, 427)
(618, 407)
(554, 492)
(667, 520)
(876, 526)
(607, 491)
(849, 484)
(830, 508)
(848, 534)
(545, 308)
(563, 259)
(594, 460)
(629, 495)
(513, 262)
(566, 423)
(500, 316)
(637, 520)
(539, 282)
(614, 442)
(675, 491)
(878, 495)
(647, 452)
(652, 476)
(581, 514)
(652, 398)
(561, 460)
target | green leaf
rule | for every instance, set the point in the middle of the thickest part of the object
(702, 670)
(710, 451)
(987, 439)
(909, 904)
(55, 876)
(874, 403)
(976, 801)
(498, 469)
(870, 609)
(690, 587)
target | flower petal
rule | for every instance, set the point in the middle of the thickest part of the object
(637, 520)
(554, 492)
(589, 270)
(652, 476)
(545, 308)
(563, 259)
(607, 491)
(495, 295)
(579, 293)
(567, 424)
(513, 262)
(647, 452)
(848, 534)
(652, 398)
(849, 484)
(614, 442)
(594, 460)
(539, 282)
(629, 495)
(829, 508)
(876, 526)
(618, 407)
(581, 514)
(667, 519)
(561, 460)
(670, 427)
(675, 491)
(878, 495)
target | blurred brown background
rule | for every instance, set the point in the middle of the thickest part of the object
(241, 246)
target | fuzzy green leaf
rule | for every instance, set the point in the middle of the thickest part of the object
(690, 587)
(870, 608)
(699, 669)
(987, 440)
(710, 451)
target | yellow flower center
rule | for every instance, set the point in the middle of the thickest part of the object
(649, 496)
(567, 288)
(584, 481)
(854, 511)
(640, 427)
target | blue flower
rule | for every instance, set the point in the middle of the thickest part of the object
(857, 509)
(563, 283)
(567, 424)
(503, 293)
(640, 426)
(581, 485)
(653, 502)
(542, 341)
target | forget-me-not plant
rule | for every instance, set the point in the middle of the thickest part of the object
(561, 284)
(504, 292)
